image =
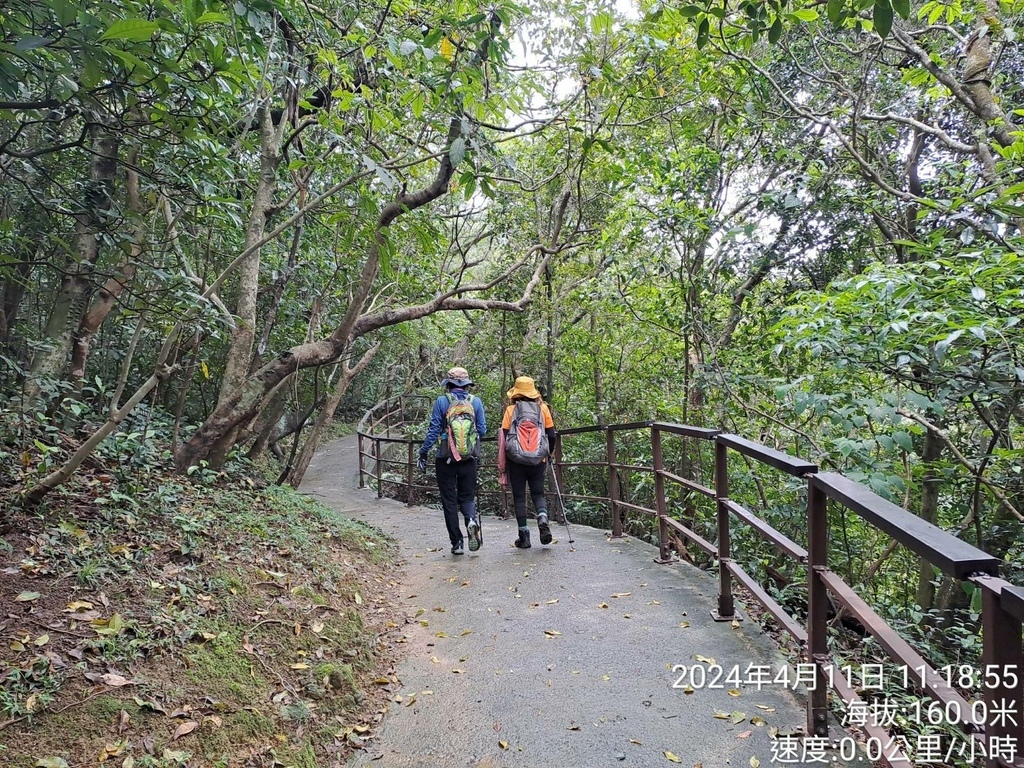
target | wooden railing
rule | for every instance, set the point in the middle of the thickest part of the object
(994, 723)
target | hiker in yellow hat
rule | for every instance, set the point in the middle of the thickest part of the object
(457, 424)
(524, 444)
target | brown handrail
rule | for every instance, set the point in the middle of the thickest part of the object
(1002, 603)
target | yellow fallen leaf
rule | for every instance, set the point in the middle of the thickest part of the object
(754, 762)
(758, 721)
(720, 715)
(688, 689)
(671, 757)
(78, 605)
(552, 602)
(299, 665)
(734, 692)
(684, 624)
(765, 707)
(602, 605)
(441, 634)
(17, 646)
(382, 681)
(358, 598)
(635, 741)
(622, 594)
(606, 678)
(458, 671)
(737, 717)
(184, 729)
(41, 640)
(552, 632)
(424, 623)
(465, 632)
(503, 744)
(705, 659)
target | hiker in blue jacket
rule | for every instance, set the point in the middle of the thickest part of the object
(457, 424)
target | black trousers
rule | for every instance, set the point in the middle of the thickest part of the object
(456, 480)
(521, 476)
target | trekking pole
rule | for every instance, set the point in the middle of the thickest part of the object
(561, 503)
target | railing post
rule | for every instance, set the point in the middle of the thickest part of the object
(359, 448)
(1002, 676)
(659, 493)
(726, 607)
(613, 483)
(408, 475)
(817, 614)
(380, 476)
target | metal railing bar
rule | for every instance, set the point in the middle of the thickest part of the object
(686, 430)
(637, 508)
(770, 604)
(897, 648)
(688, 484)
(955, 557)
(773, 458)
(629, 425)
(696, 538)
(780, 540)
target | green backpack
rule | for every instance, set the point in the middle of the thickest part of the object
(463, 439)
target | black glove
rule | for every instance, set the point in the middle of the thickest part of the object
(421, 465)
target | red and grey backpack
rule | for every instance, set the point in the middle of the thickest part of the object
(527, 440)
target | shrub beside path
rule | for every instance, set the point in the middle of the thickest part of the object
(550, 657)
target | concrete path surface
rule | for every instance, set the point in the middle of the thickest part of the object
(551, 657)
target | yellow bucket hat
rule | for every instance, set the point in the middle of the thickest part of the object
(524, 387)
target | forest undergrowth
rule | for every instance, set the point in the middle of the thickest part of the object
(152, 620)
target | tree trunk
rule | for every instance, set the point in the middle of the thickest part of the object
(298, 471)
(49, 362)
(931, 452)
(239, 354)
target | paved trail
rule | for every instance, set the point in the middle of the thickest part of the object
(547, 657)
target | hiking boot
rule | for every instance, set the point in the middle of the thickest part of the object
(457, 548)
(543, 528)
(523, 542)
(475, 539)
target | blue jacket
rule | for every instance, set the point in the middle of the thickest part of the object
(438, 428)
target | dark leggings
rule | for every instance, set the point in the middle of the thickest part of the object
(521, 475)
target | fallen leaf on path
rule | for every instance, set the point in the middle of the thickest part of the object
(734, 692)
(115, 681)
(184, 729)
(758, 721)
(27, 597)
(78, 605)
(684, 624)
(441, 634)
(754, 762)
(458, 671)
(551, 602)
(737, 717)
(622, 594)
(744, 735)
(688, 689)
(636, 741)
(465, 632)
(672, 758)
(765, 707)
(655, 602)
(41, 640)
(573, 727)
(602, 605)
(51, 762)
(720, 715)
(503, 744)
(552, 632)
